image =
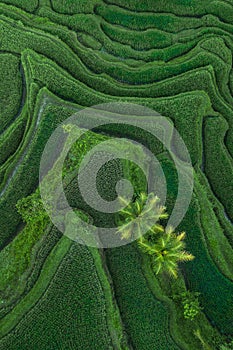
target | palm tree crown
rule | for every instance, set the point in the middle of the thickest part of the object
(166, 248)
(140, 216)
(167, 252)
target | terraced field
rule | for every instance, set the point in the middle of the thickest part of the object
(58, 57)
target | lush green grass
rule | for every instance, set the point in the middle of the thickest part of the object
(72, 6)
(108, 176)
(11, 139)
(29, 6)
(26, 178)
(145, 317)
(147, 40)
(92, 25)
(220, 249)
(46, 274)
(193, 8)
(201, 274)
(218, 164)
(181, 329)
(74, 304)
(25, 283)
(184, 119)
(10, 88)
(15, 258)
(216, 290)
(175, 57)
(140, 21)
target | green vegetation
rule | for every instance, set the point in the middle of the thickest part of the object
(191, 304)
(28, 6)
(137, 221)
(145, 317)
(74, 301)
(10, 88)
(16, 257)
(166, 251)
(205, 346)
(57, 57)
(218, 154)
(71, 6)
(227, 346)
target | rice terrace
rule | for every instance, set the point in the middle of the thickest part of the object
(116, 175)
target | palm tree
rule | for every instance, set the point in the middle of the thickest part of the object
(166, 252)
(140, 216)
(139, 219)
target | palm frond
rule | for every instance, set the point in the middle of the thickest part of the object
(157, 267)
(185, 256)
(181, 236)
(173, 272)
(144, 247)
(158, 228)
(122, 200)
